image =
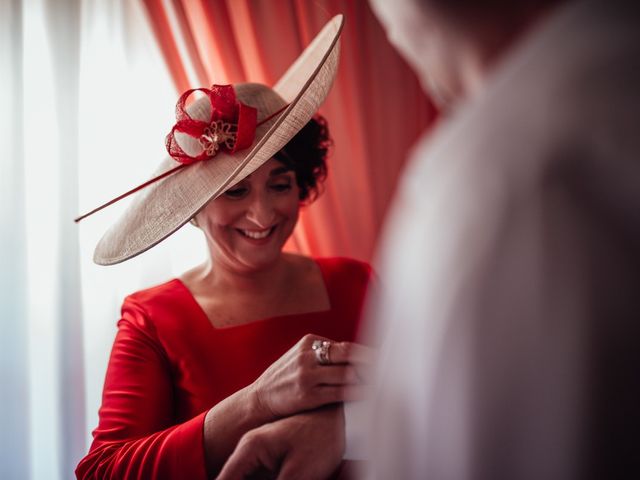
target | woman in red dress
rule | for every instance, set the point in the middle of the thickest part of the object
(253, 334)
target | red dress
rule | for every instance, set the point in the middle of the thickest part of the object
(169, 365)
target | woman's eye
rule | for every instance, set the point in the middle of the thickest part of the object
(281, 187)
(238, 192)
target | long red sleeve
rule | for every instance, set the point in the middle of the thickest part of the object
(136, 438)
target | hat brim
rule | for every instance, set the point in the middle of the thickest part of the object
(160, 209)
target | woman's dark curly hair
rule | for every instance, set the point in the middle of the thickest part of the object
(306, 154)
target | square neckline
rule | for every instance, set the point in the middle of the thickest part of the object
(262, 321)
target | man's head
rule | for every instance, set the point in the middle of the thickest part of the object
(451, 44)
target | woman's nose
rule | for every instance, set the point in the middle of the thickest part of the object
(261, 211)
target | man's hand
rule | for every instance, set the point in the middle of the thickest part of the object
(309, 445)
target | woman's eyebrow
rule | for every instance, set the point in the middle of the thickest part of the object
(279, 171)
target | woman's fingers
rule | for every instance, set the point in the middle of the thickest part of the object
(348, 352)
(326, 394)
(291, 383)
(335, 375)
(358, 356)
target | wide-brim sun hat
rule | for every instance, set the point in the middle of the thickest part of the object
(176, 194)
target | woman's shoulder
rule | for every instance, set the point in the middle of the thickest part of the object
(344, 264)
(345, 270)
(160, 312)
(155, 293)
(155, 301)
(334, 271)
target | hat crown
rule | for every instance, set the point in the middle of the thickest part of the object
(256, 95)
(261, 97)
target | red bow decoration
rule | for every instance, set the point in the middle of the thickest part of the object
(231, 125)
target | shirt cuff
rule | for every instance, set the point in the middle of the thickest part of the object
(355, 421)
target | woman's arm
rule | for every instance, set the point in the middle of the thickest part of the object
(136, 437)
(226, 422)
(294, 383)
(289, 448)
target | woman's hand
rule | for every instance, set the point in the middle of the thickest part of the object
(289, 448)
(297, 382)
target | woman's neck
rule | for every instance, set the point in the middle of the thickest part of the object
(292, 285)
(217, 276)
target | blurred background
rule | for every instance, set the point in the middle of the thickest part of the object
(88, 90)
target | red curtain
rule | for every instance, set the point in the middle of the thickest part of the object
(375, 111)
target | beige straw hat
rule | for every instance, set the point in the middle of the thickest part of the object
(162, 207)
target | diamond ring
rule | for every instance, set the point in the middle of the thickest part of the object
(321, 349)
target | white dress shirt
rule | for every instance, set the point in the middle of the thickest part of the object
(511, 262)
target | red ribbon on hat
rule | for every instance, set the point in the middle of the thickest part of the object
(231, 127)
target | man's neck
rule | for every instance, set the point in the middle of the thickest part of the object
(485, 48)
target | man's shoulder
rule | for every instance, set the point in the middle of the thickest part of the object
(554, 96)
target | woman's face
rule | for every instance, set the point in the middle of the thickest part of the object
(247, 226)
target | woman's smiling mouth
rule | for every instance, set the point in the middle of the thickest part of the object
(257, 234)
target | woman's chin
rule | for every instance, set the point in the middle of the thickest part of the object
(257, 258)
(245, 254)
